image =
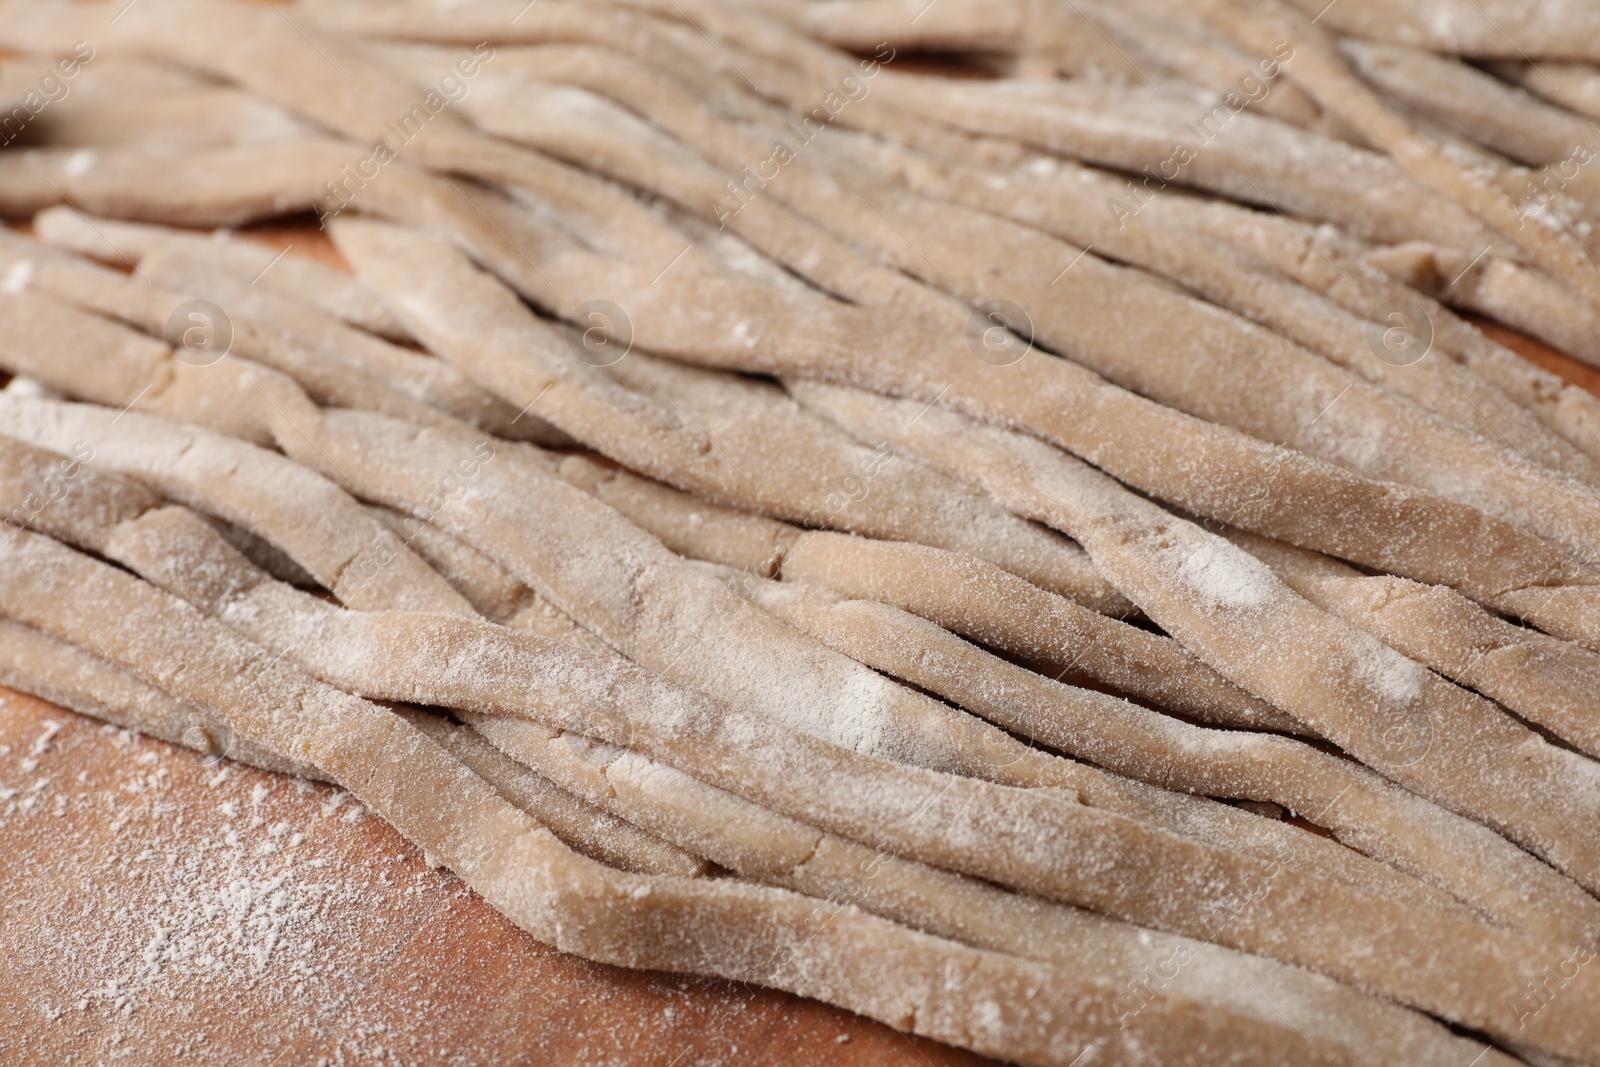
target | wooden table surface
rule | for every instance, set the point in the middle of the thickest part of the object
(156, 906)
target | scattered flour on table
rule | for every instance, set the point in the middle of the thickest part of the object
(193, 904)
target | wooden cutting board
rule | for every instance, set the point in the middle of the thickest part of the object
(158, 906)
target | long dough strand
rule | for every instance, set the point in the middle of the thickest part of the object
(204, 272)
(1565, 611)
(1367, 431)
(987, 752)
(1508, 119)
(493, 591)
(1082, 220)
(889, 712)
(1284, 877)
(66, 278)
(958, 591)
(1279, 493)
(1320, 69)
(1543, 679)
(353, 555)
(227, 579)
(477, 581)
(1191, 758)
(1389, 711)
(688, 925)
(1330, 263)
(773, 849)
(125, 243)
(290, 624)
(579, 825)
(213, 187)
(828, 694)
(1361, 809)
(33, 661)
(738, 442)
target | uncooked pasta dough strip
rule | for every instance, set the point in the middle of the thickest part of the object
(867, 714)
(1181, 49)
(581, 128)
(348, 551)
(1570, 610)
(1231, 610)
(341, 648)
(1503, 29)
(436, 698)
(982, 740)
(1121, 655)
(770, 848)
(1190, 260)
(819, 690)
(254, 609)
(576, 822)
(960, 592)
(1573, 85)
(1120, 322)
(703, 926)
(1307, 853)
(792, 67)
(1462, 396)
(1567, 611)
(1466, 971)
(1100, 42)
(446, 144)
(33, 661)
(119, 367)
(1558, 246)
(488, 241)
(1359, 807)
(1076, 212)
(196, 269)
(384, 114)
(171, 548)
(1235, 153)
(100, 75)
(487, 586)
(217, 187)
(691, 57)
(1545, 680)
(125, 243)
(65, 277)
(864, 712)
(187, 32)
(262, 553)
(85, 356)
(1193, 820)
(201, 115)
(739, 442)
(1510, 292)
(1508, 119)
(1331, 263)
(104, 513)
(961, 26)
(1276, 492)
(691, 26)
